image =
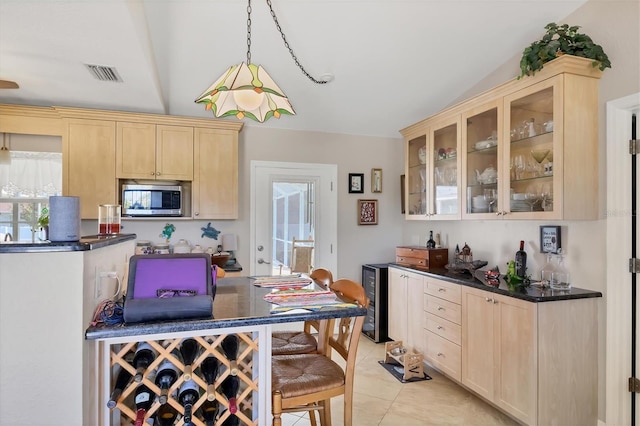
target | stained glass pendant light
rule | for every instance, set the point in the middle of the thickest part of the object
(247, 90)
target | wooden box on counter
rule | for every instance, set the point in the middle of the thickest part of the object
(422, 257)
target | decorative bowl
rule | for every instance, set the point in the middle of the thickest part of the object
(220, 259)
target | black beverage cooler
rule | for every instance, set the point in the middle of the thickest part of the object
(376, 287)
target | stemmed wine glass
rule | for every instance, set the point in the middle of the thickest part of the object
(539, 155)
(531, 198)
(520, 166)
(490, 197)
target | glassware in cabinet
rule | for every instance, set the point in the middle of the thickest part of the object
(416, 179)
(531, 151)
(483, 165)
(444, 199)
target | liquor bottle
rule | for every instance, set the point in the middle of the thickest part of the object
(144, 356)
(166, 415)
(167, 375)
(209, 368)
(230, 348)
(188, 396)
(521, 261)
(560, 277)
(121, 382)
(229, 389)
(144, 398)
(431, 243)
(189, 352)
(209, 411)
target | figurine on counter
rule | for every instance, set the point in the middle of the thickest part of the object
(512, 277)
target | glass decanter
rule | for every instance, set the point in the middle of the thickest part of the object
(546, 271)
(560, 278)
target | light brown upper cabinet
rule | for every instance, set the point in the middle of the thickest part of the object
(150, 151)
(215, 180)
(528, 150)
(88, 168)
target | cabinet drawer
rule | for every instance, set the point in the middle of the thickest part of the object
(411, 261)
(443, 328)
(443, 355)
(421, 257)
(443, 290)
(442, 308)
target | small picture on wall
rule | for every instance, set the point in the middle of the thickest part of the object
(356, 183)
(367, 212)
(550, 239)
(376, 180)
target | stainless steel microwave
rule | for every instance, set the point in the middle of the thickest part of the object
(151, 200)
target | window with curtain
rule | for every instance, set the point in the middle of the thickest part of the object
(25, 187)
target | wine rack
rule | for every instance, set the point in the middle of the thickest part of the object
(121, 355)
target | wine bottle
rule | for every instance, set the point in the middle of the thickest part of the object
(521, 261)
(189, 352)
(232, 420)
(188, 396)
(144, 398)
(229, 389)
(230, 348)
(121, 382)
(209, 411)
(209, 368)
(166, 415)
(167, 375)
(431, 243)
(145, 354)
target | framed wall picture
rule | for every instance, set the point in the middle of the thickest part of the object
(367, 212)
(376, 180)
(550, 241)
(356, 183)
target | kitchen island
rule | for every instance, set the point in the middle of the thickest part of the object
(48, 293)
(238, 310)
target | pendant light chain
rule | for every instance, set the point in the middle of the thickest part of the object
(286, 44)
(249, 32)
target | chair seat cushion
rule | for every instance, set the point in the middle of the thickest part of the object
(295, 375)
(294, 342)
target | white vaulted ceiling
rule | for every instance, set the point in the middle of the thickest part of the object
(394, 61)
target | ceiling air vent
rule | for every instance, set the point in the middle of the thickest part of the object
(103, 73)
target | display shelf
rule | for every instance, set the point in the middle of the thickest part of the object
(121, 354)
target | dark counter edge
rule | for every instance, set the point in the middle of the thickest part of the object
(127, 330)
(90, 242)
(530, 294)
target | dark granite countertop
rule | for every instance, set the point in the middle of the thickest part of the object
(531, 293)
(237, 303)
(89, 242)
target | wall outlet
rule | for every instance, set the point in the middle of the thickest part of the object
(106, 283)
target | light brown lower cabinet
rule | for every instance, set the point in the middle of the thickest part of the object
(535, 361)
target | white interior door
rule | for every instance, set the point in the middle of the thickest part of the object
(292, 200)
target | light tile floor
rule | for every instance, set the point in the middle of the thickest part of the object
(380, 399)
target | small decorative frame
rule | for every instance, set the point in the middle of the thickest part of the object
(356, 183)
(550, 241)
(367, 212)
(376, 180)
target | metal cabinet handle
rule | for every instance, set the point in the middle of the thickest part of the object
(494, 301)
(442, 289)
(157, 173)
(440, 308)
(440, 354)
(487, 299)
(153, 173)
(440, 327)
(196, 214)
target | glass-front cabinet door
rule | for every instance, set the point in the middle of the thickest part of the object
(416, 178)
(483, 165)
(444, 173)
(532, 123)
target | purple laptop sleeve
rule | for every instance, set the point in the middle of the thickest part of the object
(150, 273)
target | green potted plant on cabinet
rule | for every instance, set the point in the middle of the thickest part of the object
(560, 40)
